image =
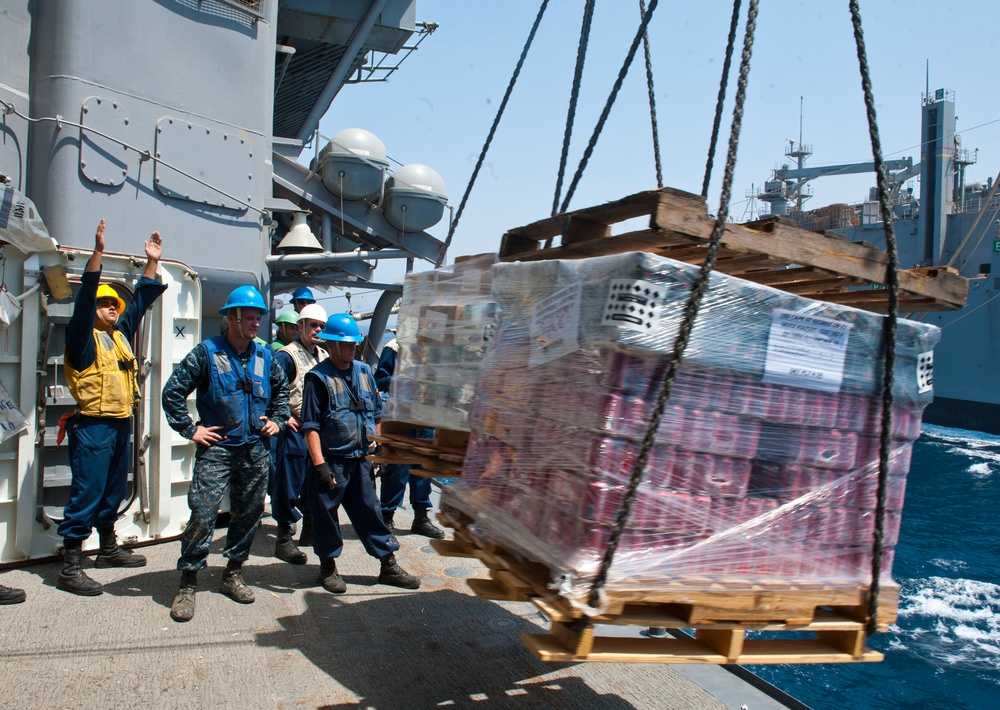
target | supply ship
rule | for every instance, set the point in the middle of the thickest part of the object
(949, 222)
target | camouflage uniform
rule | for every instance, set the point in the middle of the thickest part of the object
(243, 468)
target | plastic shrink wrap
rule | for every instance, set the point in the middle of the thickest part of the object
(765, 466)
(444, 325)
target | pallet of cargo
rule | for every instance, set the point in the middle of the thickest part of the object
(807, 624)
(438, 457)
(771, 251)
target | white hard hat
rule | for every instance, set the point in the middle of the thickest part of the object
(313, 311)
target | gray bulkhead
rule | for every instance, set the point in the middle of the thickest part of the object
(187, 81)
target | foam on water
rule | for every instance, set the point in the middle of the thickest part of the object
(981, 469)
(972, 439)
(963, 614)
(951, 565)
(944, 649)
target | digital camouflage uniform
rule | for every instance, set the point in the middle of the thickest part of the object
(243, 464)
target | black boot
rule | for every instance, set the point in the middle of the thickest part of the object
(73, 579)
(233, 585)
(111, 555)
(11, 596)
(285, 548)
(183, 607)
(306, 537)
(329, 579)
(395, 576)
(422, 525)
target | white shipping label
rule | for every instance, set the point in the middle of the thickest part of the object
(634, 304)
(806, 351)
(555, 326)
(925, 372)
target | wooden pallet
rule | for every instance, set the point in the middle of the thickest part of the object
(771, 251)
(440, 457)
(826, 625)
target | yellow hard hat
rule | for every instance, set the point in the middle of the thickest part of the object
(105, 291)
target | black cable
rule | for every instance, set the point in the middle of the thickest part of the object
(652, 100)
(723, 83)
(493, 129)
(690, 313)
(610, 102)
(889, 350)
(574, 95)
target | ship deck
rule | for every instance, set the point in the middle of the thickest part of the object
(299, 646)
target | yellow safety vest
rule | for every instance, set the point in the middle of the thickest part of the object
(303, 363)
(108, 387)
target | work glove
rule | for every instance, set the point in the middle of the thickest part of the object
(374, 448)
(324, 477)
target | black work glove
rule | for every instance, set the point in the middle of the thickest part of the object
(324, 477)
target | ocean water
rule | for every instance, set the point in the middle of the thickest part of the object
(944, 651)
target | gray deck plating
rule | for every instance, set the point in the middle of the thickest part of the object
(298, 646)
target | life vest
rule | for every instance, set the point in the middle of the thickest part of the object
(236, 399)
(344, 432)
(107, 388)
(303, 363)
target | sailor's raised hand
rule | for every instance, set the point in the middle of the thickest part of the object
(154, 247)
(99, 237)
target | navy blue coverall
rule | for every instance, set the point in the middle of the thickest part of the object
(344, 438)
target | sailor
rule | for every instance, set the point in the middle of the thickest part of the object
(242, 400)
(101, 373)
(396, 476)
(341, 409)
(288, 329)
(302, 297)
(288, 495)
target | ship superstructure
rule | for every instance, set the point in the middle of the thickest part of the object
(950, 222)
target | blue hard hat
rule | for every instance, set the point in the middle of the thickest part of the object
(244, 297)
(341, 328)
(302, 293)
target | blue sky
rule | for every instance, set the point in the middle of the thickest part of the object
(438, 108)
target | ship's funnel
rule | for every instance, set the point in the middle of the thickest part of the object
(414, 198)
(353, 164)
(300, 239)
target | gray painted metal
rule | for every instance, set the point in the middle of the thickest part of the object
(937, 151)
(201, 67)
(340, 72)
(319, 31)
(380, 318)
(103, 161)
(299, 646)
(15, 35)
(227, 162)
(362, 224)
